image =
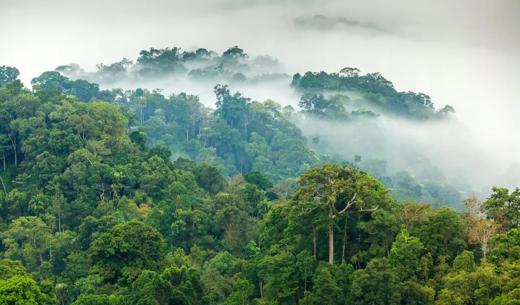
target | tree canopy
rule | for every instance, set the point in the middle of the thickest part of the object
(133, 197)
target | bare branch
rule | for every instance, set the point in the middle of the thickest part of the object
(349, 204)
(365, 210)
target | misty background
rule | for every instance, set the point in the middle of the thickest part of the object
(464, 53)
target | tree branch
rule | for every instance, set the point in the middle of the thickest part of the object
(365, 210)
(349, 204)
(3, 185)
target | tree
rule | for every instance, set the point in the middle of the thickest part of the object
(349, 72)
(413, 293)
(321, 107)
(29, 240)
(284, 275)
(232, 108)
(233, 223)
(503, 207)
(148, 289)
(464, 288)
(505, 247)
(126, 249)
(444, 233)
(15, 115)
(510, 298)
(331, 285)
(481, 232)
(465, 261)
(10, 268)
(377, 284)
(139, 138)
(8, 75)
(234, 53)
(20, 290)
(405, 255)
(410, 214)
(258, 179)
(96, 299)
(242, 292)
(52, 80)
(338, 190)
(184, 285)
(210, 178)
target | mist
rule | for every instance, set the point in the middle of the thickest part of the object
(444, 150)
(465, 54)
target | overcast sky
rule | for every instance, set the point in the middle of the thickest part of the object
(465, 53)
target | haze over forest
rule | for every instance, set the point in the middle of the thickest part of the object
(275, 152)
(463, 57)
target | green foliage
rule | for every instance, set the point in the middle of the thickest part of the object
(476, 287)
(331, 285)
(82, 89)
(91, 299)
(259, 180)
(210, 178)
(240, 136)
(174, 286)
(504, 207)
(28, 239)
(126, 249)
(465, 261)
(510, 298)
(406, 254)
(505, 247)
(331, 192)
(10, 268)
(94, 212)
(377, 284)
(413, 293)
(8, 75)
(321, 107)
(20, 290)
(443, 234)
(379, 94)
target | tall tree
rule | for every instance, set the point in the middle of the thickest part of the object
(338, 190)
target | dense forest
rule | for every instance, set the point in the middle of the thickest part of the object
(244, 135)
(132, 196)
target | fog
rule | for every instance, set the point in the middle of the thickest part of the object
(463, 53)
(445, 151)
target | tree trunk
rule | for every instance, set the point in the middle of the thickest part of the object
(484, 249)
(13, 144)
(3, 185)
(344, 250)
(141, 115)
(331, 242)
(314, 252)
(59, 218)
(245, 123)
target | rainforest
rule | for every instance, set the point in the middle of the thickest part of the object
(220, 175)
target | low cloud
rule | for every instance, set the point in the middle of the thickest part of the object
(321, 22)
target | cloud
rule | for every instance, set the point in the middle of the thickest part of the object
(321, 22)
(237, 4)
